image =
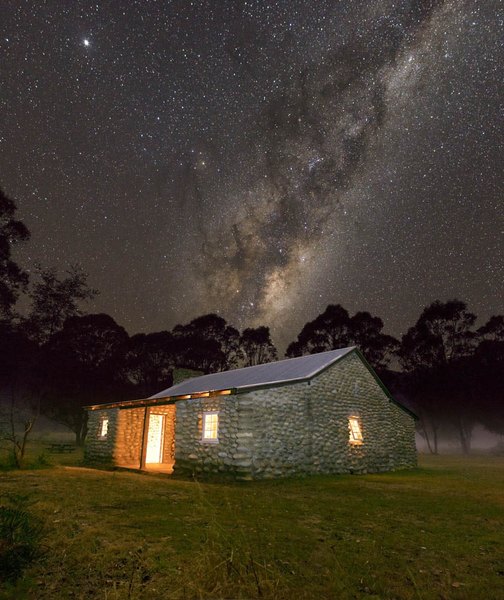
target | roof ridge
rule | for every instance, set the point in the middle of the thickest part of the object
(234, 374)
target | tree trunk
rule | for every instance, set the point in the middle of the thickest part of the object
(425, 434)
(465, 436)
(84, 430)
(81, 431)
(435, 437)
(19, 441)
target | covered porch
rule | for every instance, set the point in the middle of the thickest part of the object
(146, 438)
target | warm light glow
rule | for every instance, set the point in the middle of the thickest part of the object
(210, 426)
(204, 395)
(104, 428)
(224, 392)
(355, 430)
(155, 435)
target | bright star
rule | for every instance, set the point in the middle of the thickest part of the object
(86, 42)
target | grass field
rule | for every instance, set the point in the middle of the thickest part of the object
(435, 532)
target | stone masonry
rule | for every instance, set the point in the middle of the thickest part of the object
(123, 444)
(289, 430)
(98, 449)
(299, 429)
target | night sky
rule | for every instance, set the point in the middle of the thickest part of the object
(259, 159)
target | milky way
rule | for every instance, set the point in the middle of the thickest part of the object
(260, 160)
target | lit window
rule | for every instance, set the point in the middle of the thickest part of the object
(210, 426)
(355, 430)
(104, 428)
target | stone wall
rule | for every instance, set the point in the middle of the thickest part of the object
(123, 444)
(128, 441)
(194, 455)
(293, 429)
(349, 389)
(98, 449)
(299, 428)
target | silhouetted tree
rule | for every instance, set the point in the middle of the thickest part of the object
(53, 300)
(433, 353)
(207, 344)
(334, 328)
(13, 280)
(488, 387)
(378, 347)
(150, 360)
(328, 331)
(487, 370)
(257, 346)
(85, 365)
(20, 389)
(493, 330)
(442, 334)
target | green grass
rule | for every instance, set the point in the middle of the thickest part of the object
(38, 455)
(435, 532)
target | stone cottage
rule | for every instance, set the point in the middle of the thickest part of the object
(321, 413)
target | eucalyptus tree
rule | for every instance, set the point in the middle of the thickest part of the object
(13, 279)
(335, 328)
(54, 299)
(84, 364)
(257, 346)
(434, 353)
(208, 344)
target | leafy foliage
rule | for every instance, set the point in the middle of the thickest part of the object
(13, 280)
(257, 346)
(208, 344)
(454, 373)
(20, 381)
(20, 537)
(84, 365)
(54, 300)
(149, 361)
(57, 360)
(334, 328)
(441, 335)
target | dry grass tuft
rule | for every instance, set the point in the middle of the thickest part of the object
(431, 533)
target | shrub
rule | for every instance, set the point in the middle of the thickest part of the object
(20, 538)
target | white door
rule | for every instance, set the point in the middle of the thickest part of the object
(155, 439)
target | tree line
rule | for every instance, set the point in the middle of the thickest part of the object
(55, 359)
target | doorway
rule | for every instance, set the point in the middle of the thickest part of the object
(155, 439)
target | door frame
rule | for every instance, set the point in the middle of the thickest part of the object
(161, 435)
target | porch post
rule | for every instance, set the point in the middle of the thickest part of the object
(145, 432)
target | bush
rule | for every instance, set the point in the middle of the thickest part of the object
(42, 461)
(20, 537)
(7, 461)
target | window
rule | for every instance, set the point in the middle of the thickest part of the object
(355, 430)
(104, 428)
(210, 427)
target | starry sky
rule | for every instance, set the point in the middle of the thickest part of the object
(259, 159)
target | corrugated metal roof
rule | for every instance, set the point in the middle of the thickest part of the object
(282, 371)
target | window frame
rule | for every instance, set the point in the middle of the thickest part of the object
(104, 422)
(210, 440)
(353, 440)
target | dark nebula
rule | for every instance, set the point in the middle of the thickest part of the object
(260, 159)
